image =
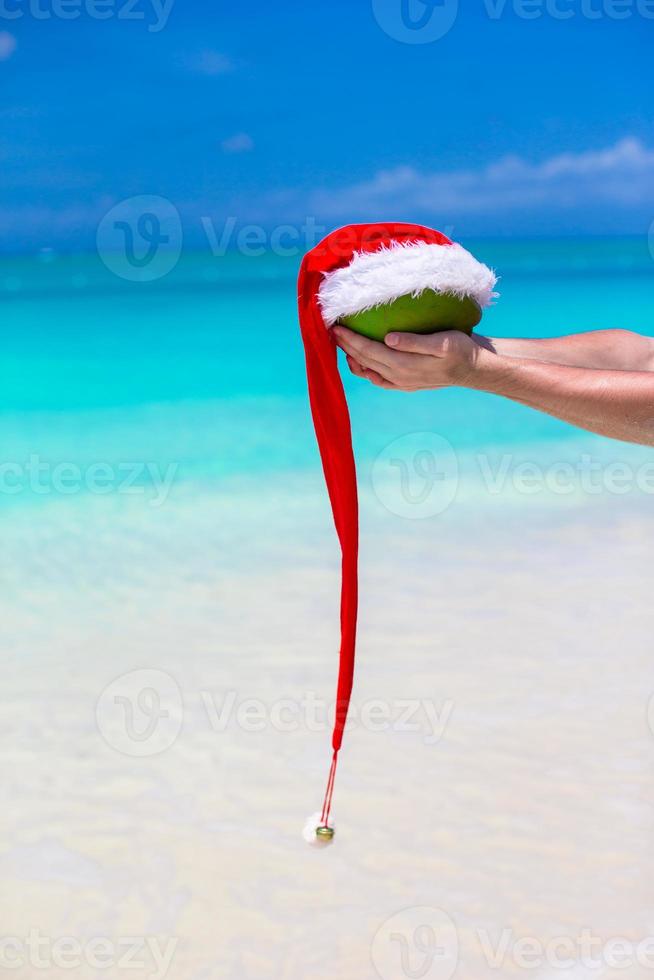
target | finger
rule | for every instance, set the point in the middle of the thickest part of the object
(435, 344)
(395, 366)
(365, 351)
(378, 380)
(367, 373)
(355, 367)
(364, 362)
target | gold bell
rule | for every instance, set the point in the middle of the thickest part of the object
(325, 833)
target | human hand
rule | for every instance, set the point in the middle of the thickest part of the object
(410, 362)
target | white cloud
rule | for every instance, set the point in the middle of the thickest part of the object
(7, 45)
(605, 191)
(619, 175)
(238, 143)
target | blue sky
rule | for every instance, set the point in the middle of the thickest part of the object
(506, 125)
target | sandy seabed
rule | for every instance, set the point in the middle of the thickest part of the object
(163, 741)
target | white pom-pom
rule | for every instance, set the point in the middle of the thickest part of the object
(310, 835)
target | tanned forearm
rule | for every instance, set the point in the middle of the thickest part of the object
(614, 403)
(617, 402)
(617, 350)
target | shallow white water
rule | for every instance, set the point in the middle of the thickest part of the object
(515, 797)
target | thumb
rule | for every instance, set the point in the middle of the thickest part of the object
(435, 344)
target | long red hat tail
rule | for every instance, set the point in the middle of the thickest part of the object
(331, 420)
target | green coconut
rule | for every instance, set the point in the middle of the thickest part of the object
(428, 312)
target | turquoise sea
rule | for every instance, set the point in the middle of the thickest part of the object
(204, 369)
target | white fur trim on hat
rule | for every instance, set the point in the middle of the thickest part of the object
(374, 278)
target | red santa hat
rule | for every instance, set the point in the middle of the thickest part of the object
(356, 268)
